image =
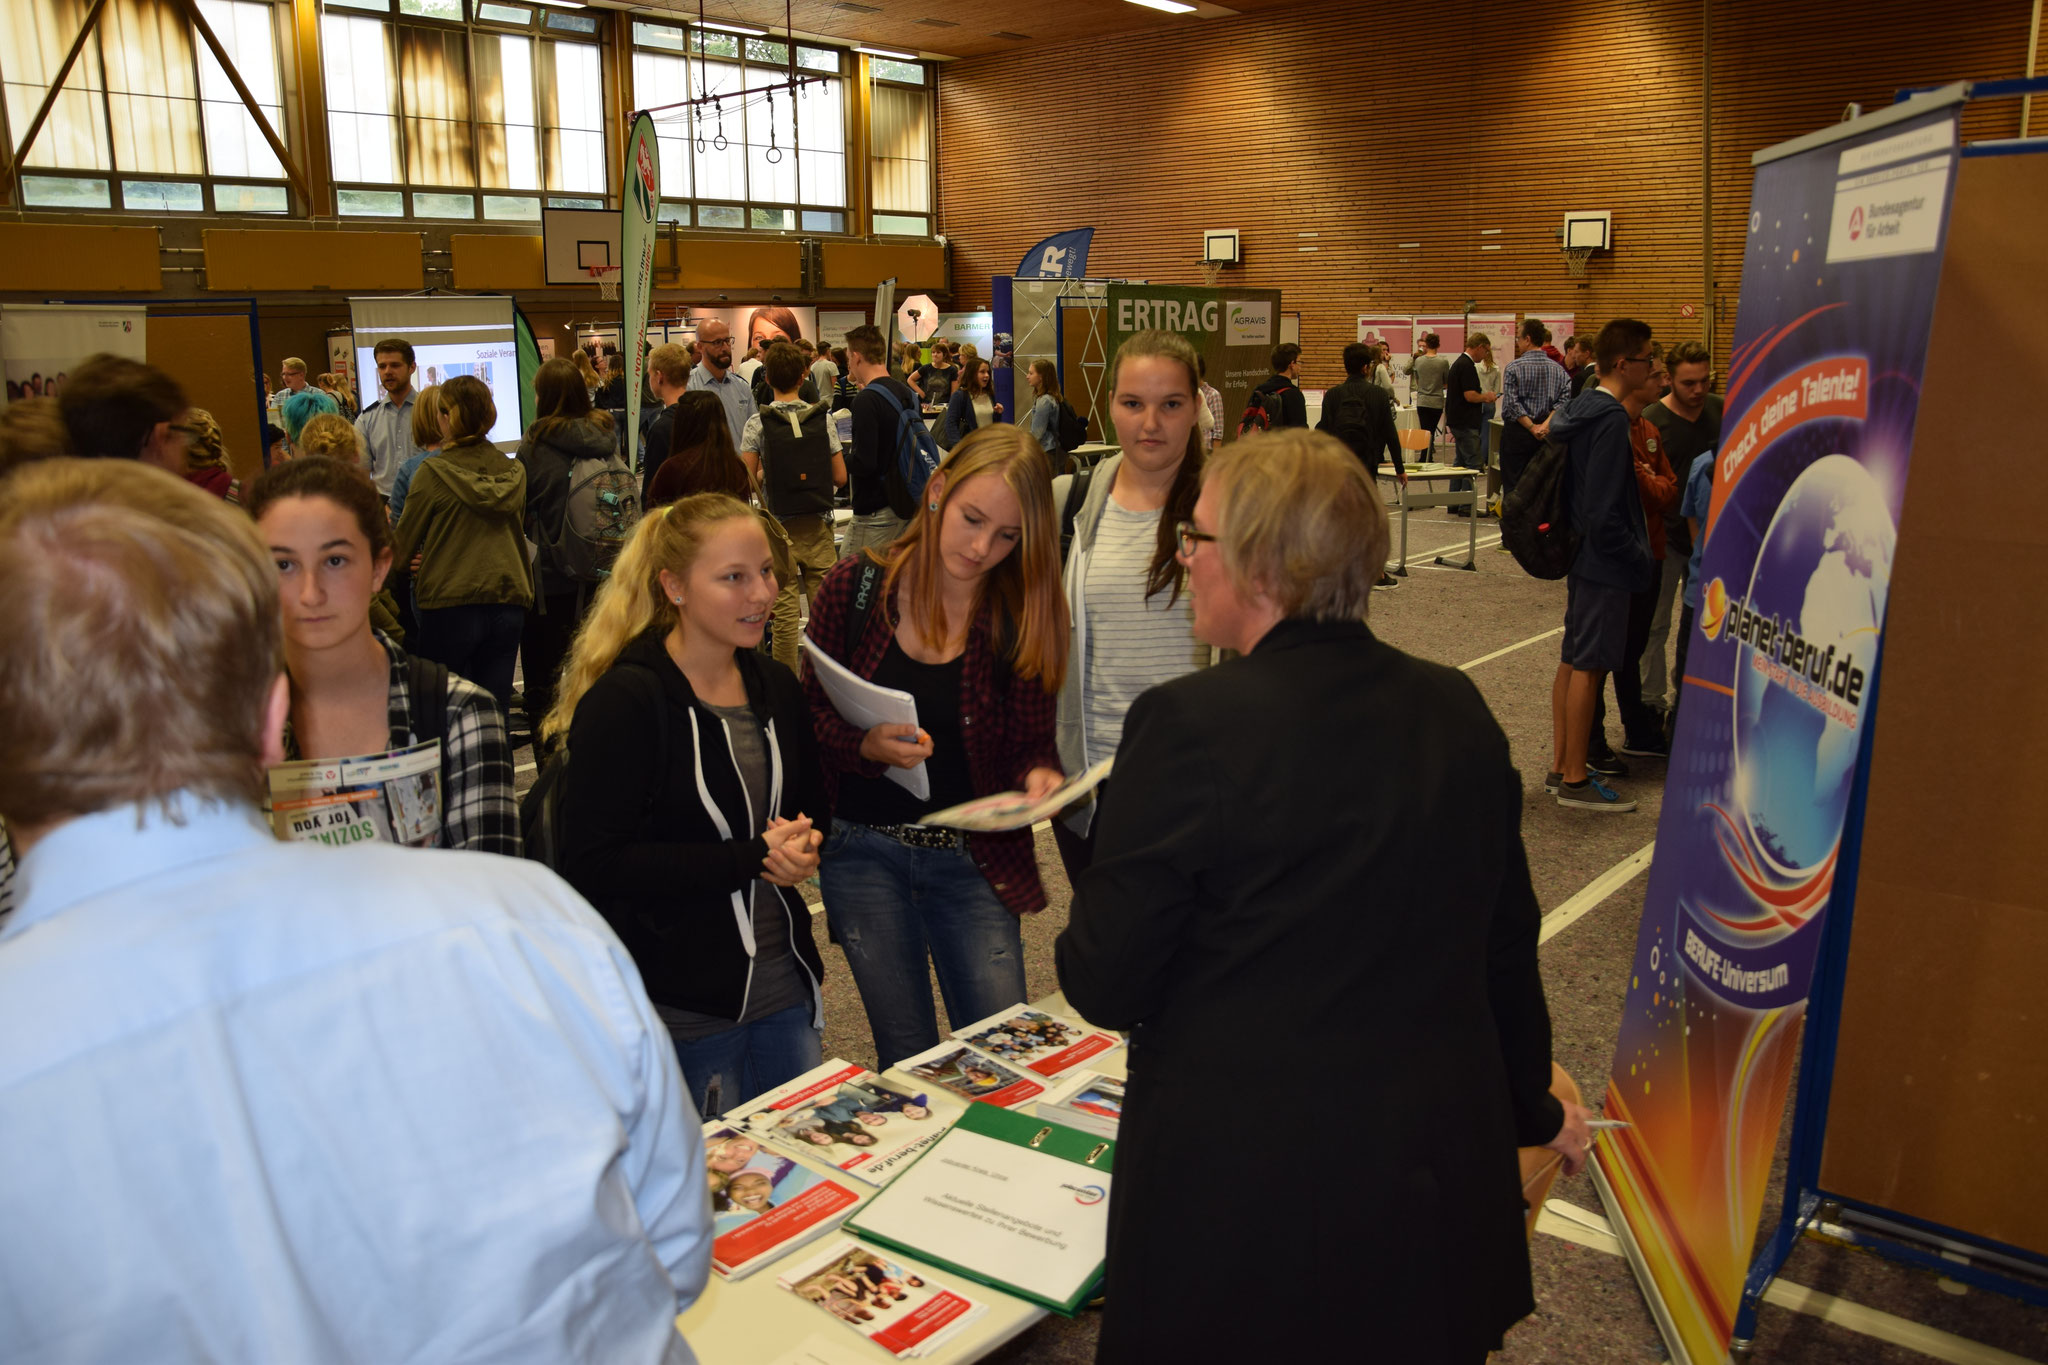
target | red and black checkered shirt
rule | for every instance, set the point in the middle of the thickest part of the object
(1006, 723)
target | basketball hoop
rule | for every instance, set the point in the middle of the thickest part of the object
(1575, 258)
(606, 278)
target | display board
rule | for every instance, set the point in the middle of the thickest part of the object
(833, 326)
(1449, 329)
(1941, 1064)
(1562, 326)
(1842, 263)
(450, 335)
(976, 329)
(1234, 330)
(211, 352)
(41, 343)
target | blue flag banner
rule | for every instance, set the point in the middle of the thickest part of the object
(1064, 255)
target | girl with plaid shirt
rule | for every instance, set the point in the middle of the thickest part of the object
(970, 621)
(352, 689)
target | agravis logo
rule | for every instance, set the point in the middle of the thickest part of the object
(1247, 323)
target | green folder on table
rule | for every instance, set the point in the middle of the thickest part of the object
(1014, 1202)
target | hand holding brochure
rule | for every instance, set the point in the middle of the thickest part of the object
(849, 1117)
(763, 1203)
(1015, 810)
(863, 705)
(387, 798)
(903, 1312)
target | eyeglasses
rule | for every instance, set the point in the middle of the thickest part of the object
(1650, 359)
(1189, 536)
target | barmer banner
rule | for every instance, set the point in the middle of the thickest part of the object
(1840, 272)
(1233, 330)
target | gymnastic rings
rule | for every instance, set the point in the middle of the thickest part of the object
(773, 154)
(719, 142)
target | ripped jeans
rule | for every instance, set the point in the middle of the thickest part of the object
(890, 906)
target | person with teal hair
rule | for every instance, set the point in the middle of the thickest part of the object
(301, 408)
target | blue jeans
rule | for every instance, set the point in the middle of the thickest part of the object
(478, 642)
(889, 906)
(1471, 443)
(749, 1058)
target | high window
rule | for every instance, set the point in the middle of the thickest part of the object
(146, 120)
(900, 147)
(766, 159)
(437, 111)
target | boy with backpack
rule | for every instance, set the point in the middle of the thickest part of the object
(791, 447)
(1360, 413)
(885, 420)
(1277, 402)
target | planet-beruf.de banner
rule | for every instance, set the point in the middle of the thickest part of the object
(1840, 270)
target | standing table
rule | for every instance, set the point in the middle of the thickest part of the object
(1440, 474)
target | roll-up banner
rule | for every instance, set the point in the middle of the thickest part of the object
(1840, 271)
(1234, 330)
(43, 342)
(636, 244)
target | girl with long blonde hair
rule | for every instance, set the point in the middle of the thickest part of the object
(693, 806)
(964, 613)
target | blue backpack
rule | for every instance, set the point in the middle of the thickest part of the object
(917, 454)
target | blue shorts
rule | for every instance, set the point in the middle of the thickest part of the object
(1595, 626)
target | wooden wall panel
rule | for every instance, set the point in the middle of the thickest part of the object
(46, 257)
(294, 261)
(863, 265)
(496, 262)
(1375, 124)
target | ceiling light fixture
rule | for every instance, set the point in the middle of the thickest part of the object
(1166, 6)
(888, 52)
(745, 29)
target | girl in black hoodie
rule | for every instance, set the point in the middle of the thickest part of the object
(694, 804)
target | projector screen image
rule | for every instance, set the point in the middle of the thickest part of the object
(449, 337)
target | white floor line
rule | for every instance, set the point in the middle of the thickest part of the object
(1413, 555)
(526, 767)
(1582, 1227)
(1521, 644)
(1595, 891)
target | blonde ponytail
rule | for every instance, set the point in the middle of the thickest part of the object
(630, 602)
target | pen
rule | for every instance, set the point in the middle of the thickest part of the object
(1597, 1124)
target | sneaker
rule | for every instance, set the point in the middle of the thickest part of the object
(1593, 794)
(1552, 780)
(1653, 747)
(1387, 583)
(1606, 765)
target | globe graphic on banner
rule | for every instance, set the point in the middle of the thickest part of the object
(1823, 571)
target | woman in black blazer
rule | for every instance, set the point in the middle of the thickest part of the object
(693, 804)
(1292, 893)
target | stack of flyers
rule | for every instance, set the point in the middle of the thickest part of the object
(1045, 1043)
(852, 1118)
(902, 1312)
(763, 1203)
(968, 1074)
(1087, 1100)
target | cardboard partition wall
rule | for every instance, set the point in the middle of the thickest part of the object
(1233, 330)
(1940, 1091)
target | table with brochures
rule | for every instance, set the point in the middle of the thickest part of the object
(754, 1321)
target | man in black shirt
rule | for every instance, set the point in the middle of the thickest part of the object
(935, 380)
(1360, 413)
(881, 504)
(1463, 398)
(668, 378)
(1688, 419)
(1290, 409)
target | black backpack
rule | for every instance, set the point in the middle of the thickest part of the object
(797, 470)
(1262, 411)
(1347, 415)
(540, 810)
(917, 454)
(1536, 519)
(1072, 428)
(1077, 495)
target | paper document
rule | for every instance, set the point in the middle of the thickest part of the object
(1015, 810)
(388, 798)
(863, 705)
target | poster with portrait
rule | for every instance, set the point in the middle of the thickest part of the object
(758, 324)
(41, 343)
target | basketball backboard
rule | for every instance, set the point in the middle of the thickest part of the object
(575, 240)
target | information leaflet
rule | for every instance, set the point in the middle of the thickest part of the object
(391, 798)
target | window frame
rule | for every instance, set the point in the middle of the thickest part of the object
(928, 88)
(117, 179)
(688, 210)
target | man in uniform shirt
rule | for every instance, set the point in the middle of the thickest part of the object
(714, 374)
(386, 425)
(265, 1099)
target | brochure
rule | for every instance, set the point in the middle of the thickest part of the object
(1006, 1199)
(1015, 810)
(849, 1117)
(906, 1313)
(1087, 1100)
(763, 1203)
(968, 1074)
(1045, 1043)
(863, 705)
(393, 798)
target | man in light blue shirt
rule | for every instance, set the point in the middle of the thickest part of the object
(714, 374)
(386, 425)
(272, 1101)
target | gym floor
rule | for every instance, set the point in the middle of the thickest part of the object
(1502, 627)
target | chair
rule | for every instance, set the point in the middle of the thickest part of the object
(1415, 439)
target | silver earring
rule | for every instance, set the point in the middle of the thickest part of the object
(934, 506)
(677, 600)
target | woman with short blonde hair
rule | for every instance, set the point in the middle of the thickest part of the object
(1307, 532)
(334, 436)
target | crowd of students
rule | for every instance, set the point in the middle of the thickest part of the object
(704, 775)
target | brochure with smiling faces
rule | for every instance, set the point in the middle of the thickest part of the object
(763, 1203)
(851, 1118)
(1045, 1043)
(904, 1312)
(969, 1074)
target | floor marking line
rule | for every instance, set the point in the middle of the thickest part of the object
(1413, 555)
(1582, 1227)
(1524, 644)
(1594, 892)
(526, 767)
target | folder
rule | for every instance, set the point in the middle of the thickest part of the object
(1012, 1201)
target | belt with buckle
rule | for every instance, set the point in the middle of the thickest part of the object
(923, 836)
